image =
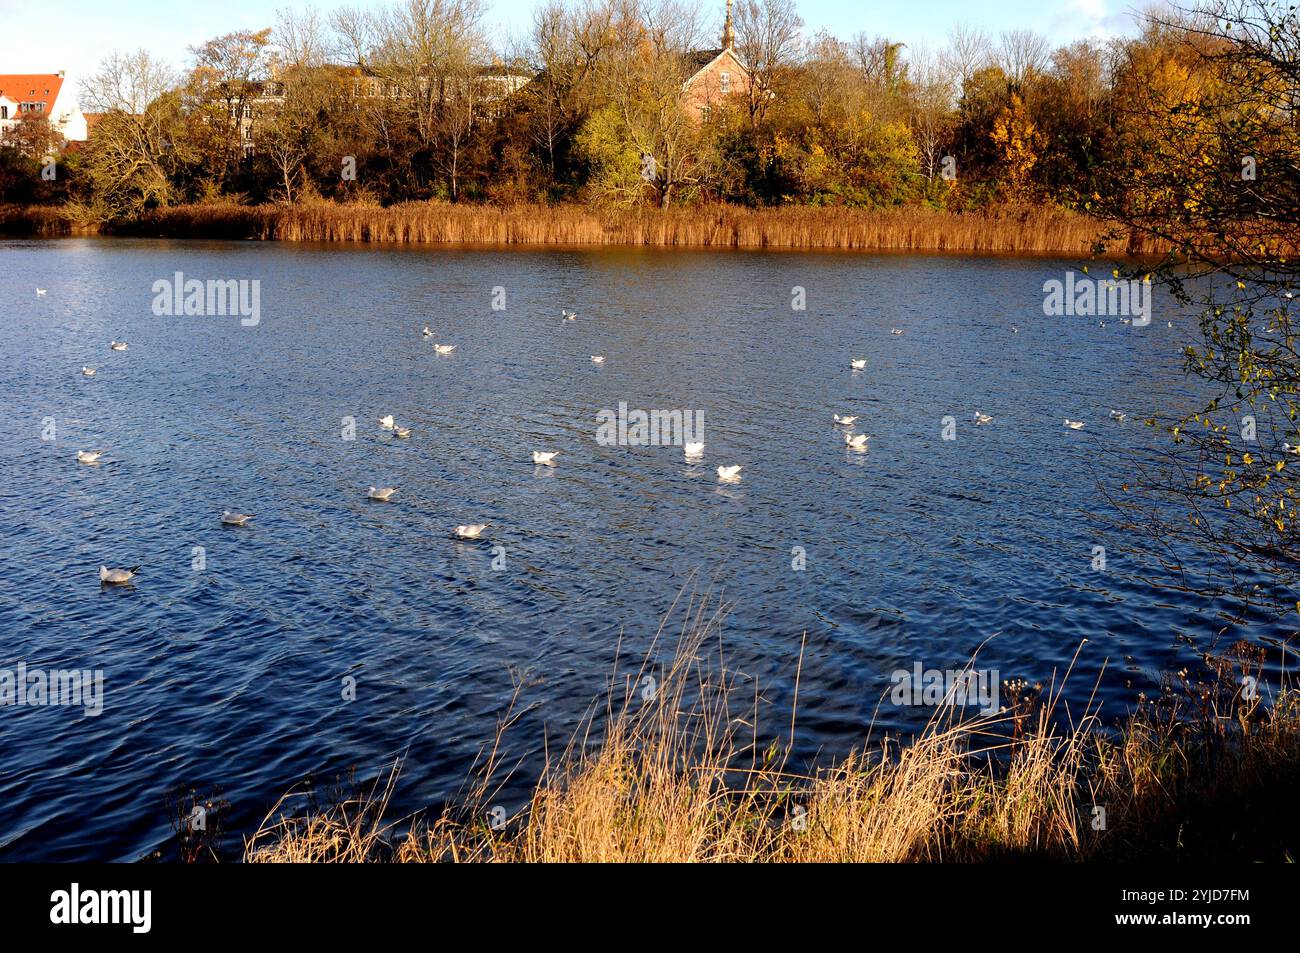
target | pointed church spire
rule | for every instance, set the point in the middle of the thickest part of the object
(728, 34)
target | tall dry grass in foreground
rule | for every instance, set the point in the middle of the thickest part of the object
(1011, 231)
(1199, 774)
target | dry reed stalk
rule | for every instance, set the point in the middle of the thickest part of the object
(352, 831)
(907, 229)
(680, 778)
(43, 221)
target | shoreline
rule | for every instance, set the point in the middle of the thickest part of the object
(1197, 773)
(1028, 232)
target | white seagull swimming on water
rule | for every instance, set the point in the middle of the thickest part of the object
(428, 331)
(117, 577)
(400, 431)
(386, 422)
(235, 519)
(1288, 448)
(89, 456)
(846, 421)
(40, 291)
(1074, 424)
(1118, 415)
(858, 363)
(694, 450)
(895, 330)
(470, 530)
(117, 345)
(568, 315)
(982, 418)
(729, 474)
(87, 372)
(597, 359)
(856, 441)
(382, 494)
(545, 458)
(444, 348)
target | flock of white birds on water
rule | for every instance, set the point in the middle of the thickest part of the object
(856, 442)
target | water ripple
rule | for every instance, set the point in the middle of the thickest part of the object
(231, 678)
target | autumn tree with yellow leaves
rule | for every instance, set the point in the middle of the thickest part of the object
(1210, 165)
(1019, 142)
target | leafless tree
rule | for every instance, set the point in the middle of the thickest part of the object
(969, 50)
(566, 49)
(137, 144)
(880, 61)
(643, 77)
(127, 82)
(767, 42)
(300, 39)
(426, 54)
(930, 100)
(353, 35)
(1023, 54)
(832, 78)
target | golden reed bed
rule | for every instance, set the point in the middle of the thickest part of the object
(1005, 231)
(1199, 773)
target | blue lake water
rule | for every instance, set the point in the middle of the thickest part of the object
(229, 678)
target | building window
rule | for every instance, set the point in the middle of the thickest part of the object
(725, 82)
(705, 112)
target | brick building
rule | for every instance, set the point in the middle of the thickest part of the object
(715, 75)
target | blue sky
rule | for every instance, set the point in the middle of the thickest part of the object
(72, 35)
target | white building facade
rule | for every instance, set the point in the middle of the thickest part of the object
(47, 95)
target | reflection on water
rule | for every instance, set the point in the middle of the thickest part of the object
(230, 677)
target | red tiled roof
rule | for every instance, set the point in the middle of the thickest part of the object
(32, 88)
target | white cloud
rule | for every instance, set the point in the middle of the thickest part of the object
(1092, 18)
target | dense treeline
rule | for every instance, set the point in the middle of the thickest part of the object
(410, 101)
